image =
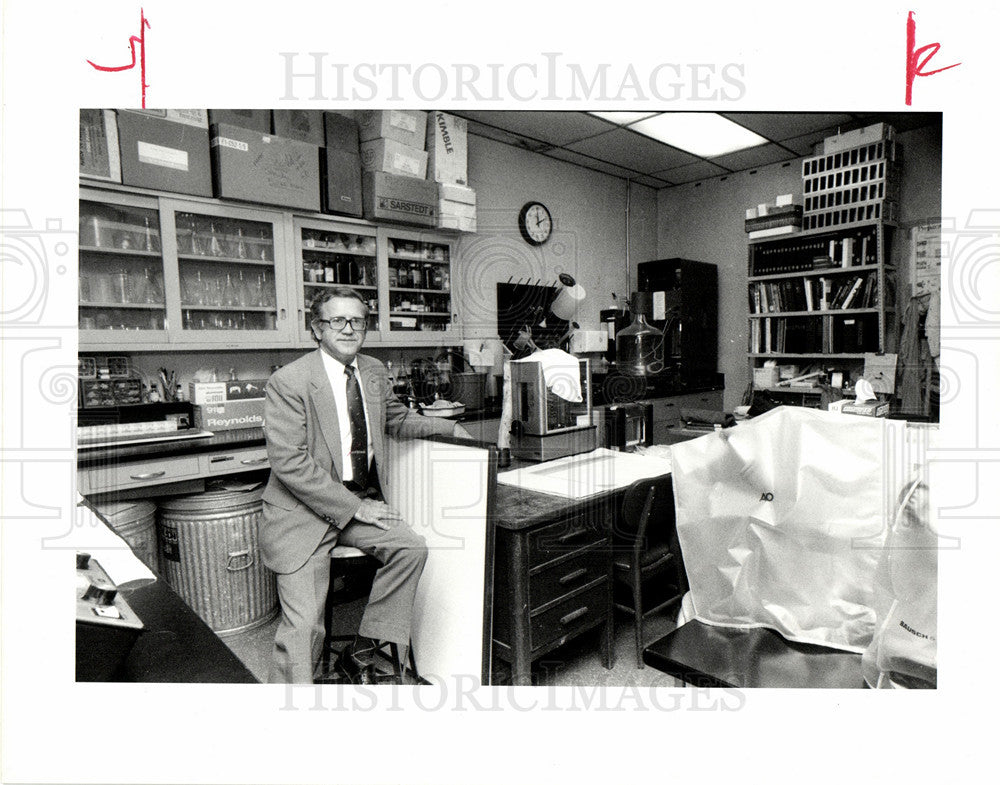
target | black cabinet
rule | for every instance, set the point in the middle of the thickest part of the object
(685, 305)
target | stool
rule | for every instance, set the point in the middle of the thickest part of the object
(353, 569)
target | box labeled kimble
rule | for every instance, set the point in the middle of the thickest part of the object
(401, 199)
(306, 125)
(388, 155)
(408, 127)
(99, 156)
(262, 168)
(230, 415)
(164, 154)
(448, 148)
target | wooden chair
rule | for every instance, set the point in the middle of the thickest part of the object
(351, 573)
(647, 550)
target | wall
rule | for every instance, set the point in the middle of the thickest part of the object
(588, 239)
(704, 221)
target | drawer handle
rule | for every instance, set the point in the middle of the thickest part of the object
(234, 556)
(571, 535)
(569, 577)
(254, 461)
(569, 618)
(148, 475)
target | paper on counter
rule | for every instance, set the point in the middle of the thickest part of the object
(580, 476)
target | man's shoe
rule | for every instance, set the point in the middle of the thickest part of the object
(353, 669)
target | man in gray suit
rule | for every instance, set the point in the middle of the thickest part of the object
(328, 472)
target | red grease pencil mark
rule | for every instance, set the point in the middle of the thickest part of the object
(914, 64)
(132, 41)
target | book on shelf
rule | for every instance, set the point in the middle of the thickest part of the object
(855, 287)
(807, 285)
(774, 231)
(785, 215)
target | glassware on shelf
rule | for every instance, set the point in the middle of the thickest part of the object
(265, 243)
(150, 289)
(85, 293)
(230, 297)
(268, 291)
(241, 246)
(214, 245)
(244, 294)
(213, 291)
(258, 292)
(196, 247)
(148, 236)
(122, 287)
(96, 238)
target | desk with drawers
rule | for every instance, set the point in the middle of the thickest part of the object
(552, 575)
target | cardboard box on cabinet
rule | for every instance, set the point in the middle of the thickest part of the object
(391, 197)
(408, 127)
(341, 176)
(164, 154)
(255, 167)
(448, 148)
(341, 133)
(254, 119)
(306, 125)
(388, 155)
(99, 156)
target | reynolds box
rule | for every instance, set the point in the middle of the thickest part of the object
(448, 148)
(388, 155)
(256, 167)
(99, 157)
(408, 127)
(164, 153)
(230, 415)
(390, 197)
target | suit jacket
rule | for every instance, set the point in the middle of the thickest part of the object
(305, 495)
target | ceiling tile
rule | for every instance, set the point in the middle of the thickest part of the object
(700, 170)
(633, 151)
(803, 145)
(556, 128)
(590, 163)
(779, 126)
(753, 156)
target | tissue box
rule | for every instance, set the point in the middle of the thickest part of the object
(230, 415)
(866, 409)
(765, 377)
(202, 393)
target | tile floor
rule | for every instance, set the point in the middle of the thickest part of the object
(575, 664)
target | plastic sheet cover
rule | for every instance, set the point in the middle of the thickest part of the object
(782, 519)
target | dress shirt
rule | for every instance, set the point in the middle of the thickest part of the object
(338, 382)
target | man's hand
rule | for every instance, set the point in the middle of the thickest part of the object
(377, 514)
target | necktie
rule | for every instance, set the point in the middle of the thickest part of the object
(359, 431)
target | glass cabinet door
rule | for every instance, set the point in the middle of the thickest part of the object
(337, 255)
(121, 272)
(419, 285)
(227, 274)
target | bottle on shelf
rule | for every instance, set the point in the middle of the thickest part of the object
(416, 276)
(97, 240)
(241, 246)
(148, 239)
(214, 245)
(230, 297)
(264, 245)
(268, 289)
(152, 293)
(244, 296)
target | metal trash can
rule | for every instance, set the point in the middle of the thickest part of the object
(209, 554)
(134, 522)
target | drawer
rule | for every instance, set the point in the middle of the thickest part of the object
(556, 580)
(568, 535)
(234, 461)
(100, 479)
(575, 614)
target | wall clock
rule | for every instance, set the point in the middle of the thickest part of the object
(535, 223)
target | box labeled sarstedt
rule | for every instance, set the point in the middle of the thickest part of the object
(402, 199)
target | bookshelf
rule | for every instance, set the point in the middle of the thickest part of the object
(819, 300)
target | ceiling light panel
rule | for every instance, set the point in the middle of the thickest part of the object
(622, 118)
(701, 133)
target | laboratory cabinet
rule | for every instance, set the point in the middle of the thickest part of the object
(161, 272)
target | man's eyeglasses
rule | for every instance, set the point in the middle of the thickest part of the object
(338, 323)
